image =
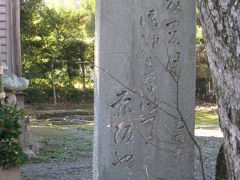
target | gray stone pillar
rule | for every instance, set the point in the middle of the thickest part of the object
(2, 93)
(144, 90)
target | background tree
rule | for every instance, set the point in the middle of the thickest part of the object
(221, 23)
(52, 42)
(78, 55)
(88, 8)
(204, 89)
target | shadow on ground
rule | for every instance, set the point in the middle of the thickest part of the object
(66, 153)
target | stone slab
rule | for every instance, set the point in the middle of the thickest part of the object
(144, 90)
(10, 174)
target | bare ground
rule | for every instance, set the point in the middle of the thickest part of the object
(82, 169)
(79, 167)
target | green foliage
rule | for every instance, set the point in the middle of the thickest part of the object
(61, 143)
(70, 148)
(40, 94)
(9, 125)
(200, 40)
(53, 44)
(88, 8)
(74, 53)
(11, 153)
(199, 35)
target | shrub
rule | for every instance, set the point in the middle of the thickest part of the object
(11, 154)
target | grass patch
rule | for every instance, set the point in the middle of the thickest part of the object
(86, 127)
(206, 119)
(66, 144)
(71, 149)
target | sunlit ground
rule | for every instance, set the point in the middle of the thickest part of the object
(56, 143)
(64, 142)
(206, 118)
(206, 122)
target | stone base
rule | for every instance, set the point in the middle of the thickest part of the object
(2, 95)
(11, 174)
(24, 136)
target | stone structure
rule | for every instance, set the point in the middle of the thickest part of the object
(144, 90)
(13, 83)
(10, 53)
(2, 93)
(10, 42)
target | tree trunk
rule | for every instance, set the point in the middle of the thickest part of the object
(221, 23)
(53, 83)
(82, 65)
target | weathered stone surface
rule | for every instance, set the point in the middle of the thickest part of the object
(2, 95)
(5, 68)
(12, 82)
(144, 90)
(9, 99)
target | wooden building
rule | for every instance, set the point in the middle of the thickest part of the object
(10, 35)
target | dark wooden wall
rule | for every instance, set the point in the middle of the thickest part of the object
(10, 35)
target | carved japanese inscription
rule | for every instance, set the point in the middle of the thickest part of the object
(145, 111)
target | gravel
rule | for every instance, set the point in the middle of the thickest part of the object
(210, 147)
(82, 170)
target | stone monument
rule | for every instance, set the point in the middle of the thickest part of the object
(144, 90)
